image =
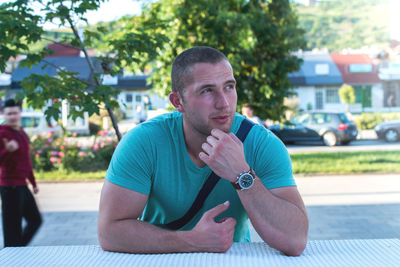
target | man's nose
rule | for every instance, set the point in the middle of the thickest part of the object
(222, 100)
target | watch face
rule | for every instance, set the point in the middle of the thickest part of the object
(246, 181)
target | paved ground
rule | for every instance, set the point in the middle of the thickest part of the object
(339, 207)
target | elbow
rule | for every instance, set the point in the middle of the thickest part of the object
(296, 247)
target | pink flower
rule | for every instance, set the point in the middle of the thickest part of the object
(96, 147)
(101, 144)
(39, 151)
(74, 134)
(50, 140)
(58, 160)
(36, 155)
(53, 159)
(81, 153)
(61, 154)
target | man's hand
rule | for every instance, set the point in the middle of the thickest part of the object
(35, 189)
(224, 154)
(11, 146)
(211, 236)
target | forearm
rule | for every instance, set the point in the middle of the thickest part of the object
(280, 223)
(134, 236)
(31, 179)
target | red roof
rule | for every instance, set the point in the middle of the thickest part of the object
(356, 68)
(63, 50)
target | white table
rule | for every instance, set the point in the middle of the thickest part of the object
(378, 252)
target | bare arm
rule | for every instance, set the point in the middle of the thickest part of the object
(278, 215)
(120, 230)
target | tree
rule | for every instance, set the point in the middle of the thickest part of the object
(347, 95)
(258, 37)
(342, 24)
(21, 29)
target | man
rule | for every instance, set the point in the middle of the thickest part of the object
(248, 111)
(15, 166)
(159, 167)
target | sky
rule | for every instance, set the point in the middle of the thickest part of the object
(108, 11)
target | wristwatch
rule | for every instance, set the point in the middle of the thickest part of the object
(245, 180)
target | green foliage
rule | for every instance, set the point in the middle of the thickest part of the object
(345, 24)
(258, 37)
(21, 30)
(367, 121)
(347, 94)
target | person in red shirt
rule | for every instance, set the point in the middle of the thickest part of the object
(15, 168)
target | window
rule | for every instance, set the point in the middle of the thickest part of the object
(319, 100)
(30, 122)
(128, 98)
(302, 118)
(320, 118)
(138, 98)
(321, 69)
(332, 96)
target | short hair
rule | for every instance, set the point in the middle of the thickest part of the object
(247, 105)
(181, 67)
(9, 103)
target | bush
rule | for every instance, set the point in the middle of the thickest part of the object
(52, 153)
(367, 121)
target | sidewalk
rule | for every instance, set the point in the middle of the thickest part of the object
(339, 207)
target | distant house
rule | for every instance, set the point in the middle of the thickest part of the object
(317, 82)
(359, 71)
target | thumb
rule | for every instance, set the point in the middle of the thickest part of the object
(5, 141)
(214, 212)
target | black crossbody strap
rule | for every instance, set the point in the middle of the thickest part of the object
(208, 186)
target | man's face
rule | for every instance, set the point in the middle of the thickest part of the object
(248, 112)
(209, 100)
(12, 115)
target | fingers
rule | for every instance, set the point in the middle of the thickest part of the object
(5, 141)
(214, 212)
(235, 138)
(217, 133)
(207, 148)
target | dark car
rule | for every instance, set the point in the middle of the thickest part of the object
(389, 131)
(328, 127)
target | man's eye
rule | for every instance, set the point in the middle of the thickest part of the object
(207, 90)
(230, 86)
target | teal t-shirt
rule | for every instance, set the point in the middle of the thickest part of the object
(152, 159)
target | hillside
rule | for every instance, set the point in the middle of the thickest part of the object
(346, 24)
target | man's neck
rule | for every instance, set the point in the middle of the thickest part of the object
(194, 141)
(14, 127)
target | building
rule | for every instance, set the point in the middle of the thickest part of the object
(317, 82)
(359, 71)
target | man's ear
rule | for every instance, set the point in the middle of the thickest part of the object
(176, 101)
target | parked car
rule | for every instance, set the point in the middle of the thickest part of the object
(36, 123)
(389, 131)
(328, 127)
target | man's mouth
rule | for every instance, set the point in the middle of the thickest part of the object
(221, 119)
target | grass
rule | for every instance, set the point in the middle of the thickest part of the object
(346, 162)
(69, 176)
(303, 163)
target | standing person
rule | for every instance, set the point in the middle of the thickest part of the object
(248, 111)
(17, 201)
(159, 167)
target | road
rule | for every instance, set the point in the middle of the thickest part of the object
(357, 145)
